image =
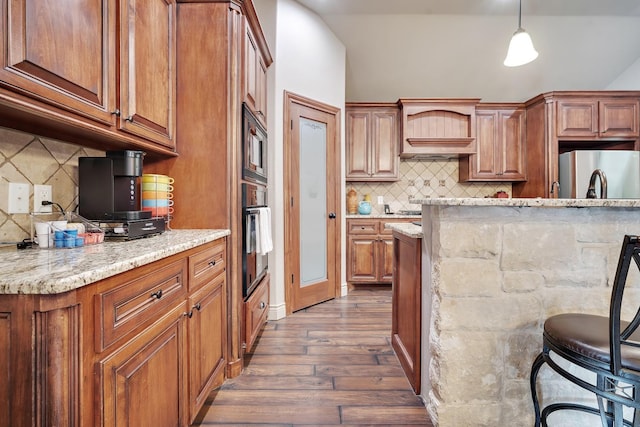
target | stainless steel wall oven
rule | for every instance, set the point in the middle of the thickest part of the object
(254, 263)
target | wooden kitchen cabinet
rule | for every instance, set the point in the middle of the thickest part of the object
(139, 348)
(147, 64)
(212, 56)
(557, 122)
(406, 323)
(372, 136)
(438, 127)
(370, 250)
(64, 75)
(143, 382)
(598, 118)
(207, 336)
(255, 76)
(256, 310)
(500, 142)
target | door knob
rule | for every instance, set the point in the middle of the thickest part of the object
(332, 215)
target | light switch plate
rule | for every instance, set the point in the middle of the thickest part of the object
(380, 200)
(18, 198)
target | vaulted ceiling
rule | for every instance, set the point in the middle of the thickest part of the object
(455, 48)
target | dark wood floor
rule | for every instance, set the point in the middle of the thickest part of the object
(331, 364)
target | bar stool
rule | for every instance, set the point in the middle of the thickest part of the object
(606, 346)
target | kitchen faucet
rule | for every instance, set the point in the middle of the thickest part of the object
(591, 191)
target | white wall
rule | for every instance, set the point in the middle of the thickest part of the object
(393, 56)
(308, 61)
(629, 79)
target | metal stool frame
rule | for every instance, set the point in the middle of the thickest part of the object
(616, 387)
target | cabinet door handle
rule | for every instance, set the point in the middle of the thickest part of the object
(116, 112)
(157, 294)
(129, 119)
(262, 305)
(212, 263)
(332, 215)
(197, 306)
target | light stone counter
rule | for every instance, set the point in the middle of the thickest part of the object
(53, 271)
(531, 203)
(408, 229)
(381, 216)
(492, 271)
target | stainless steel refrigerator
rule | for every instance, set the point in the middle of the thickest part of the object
(621, 169)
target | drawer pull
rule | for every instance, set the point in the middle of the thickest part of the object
(189, 314)
(212, 263)
(262, 305)
(157, 294)
(197, 306)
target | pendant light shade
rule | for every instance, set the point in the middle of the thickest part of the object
(521, 50)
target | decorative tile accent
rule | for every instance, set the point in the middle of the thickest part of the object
(35, 160)
(421, 179)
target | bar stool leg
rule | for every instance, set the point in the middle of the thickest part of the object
(537, 364)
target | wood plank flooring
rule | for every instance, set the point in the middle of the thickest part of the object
(331, 364)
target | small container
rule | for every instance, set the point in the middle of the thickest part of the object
(59, 243)
(58, 235)
(364, 208)
(69, 242)
(79, 241)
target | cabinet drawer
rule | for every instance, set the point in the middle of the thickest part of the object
(359, 226)
(256, 309)
(137, 301)
(206, 265)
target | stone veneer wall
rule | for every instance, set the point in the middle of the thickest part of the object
(26, 158)
(491, 275)
(420, 179)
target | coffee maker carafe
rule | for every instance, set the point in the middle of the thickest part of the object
(109, 187)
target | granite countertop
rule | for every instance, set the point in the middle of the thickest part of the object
(381, 216)
(407, 228)
(54, 271)
(531, 202)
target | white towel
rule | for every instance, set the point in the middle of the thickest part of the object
(264, 243)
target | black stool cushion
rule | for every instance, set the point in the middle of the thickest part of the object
(588, 335)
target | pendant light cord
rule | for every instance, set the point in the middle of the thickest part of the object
(520, 16)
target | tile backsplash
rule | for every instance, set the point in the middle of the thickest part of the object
(30, 159)
(423, 179)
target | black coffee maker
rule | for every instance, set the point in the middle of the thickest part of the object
(109, 187)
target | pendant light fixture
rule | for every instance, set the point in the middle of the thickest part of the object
(521, 50)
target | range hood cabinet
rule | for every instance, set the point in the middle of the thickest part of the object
(438, 128)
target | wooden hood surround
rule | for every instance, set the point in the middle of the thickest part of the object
(438, 127)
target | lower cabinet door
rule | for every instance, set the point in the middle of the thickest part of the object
(143, 382)
(385, 263)
(256, 311)
(207, 334)
(362, 259)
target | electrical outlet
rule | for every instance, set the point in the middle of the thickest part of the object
(380, 200)
(18, 198)
(42, 193)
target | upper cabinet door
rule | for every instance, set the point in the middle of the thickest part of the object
(43, 57)
(599, 118)
(147, 69)
(372, 136)
(255, 77)
(619, 118)
(578, 118)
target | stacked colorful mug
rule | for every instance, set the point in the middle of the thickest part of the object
(157, 195)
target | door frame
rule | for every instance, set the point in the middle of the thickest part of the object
(292, 232)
